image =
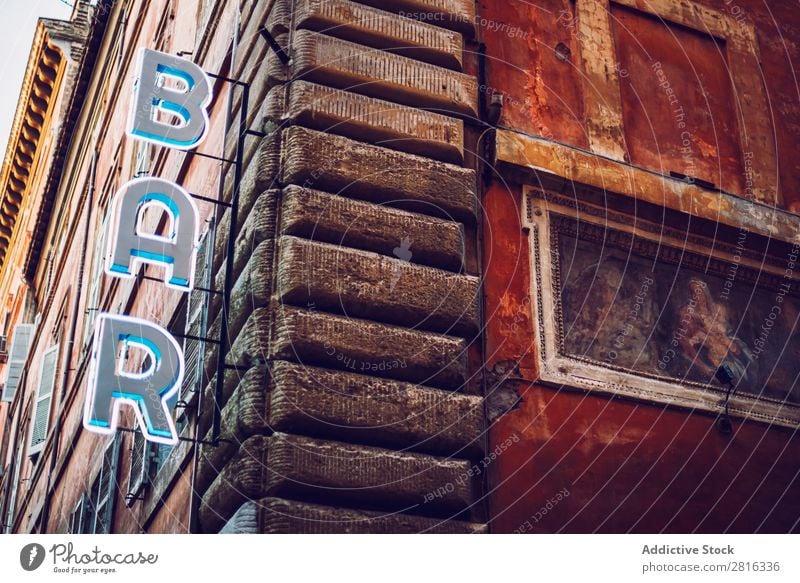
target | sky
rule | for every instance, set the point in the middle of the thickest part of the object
(17, 25)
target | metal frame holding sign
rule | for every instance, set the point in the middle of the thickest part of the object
(175, 88)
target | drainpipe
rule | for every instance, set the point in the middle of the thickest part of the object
(76, 304)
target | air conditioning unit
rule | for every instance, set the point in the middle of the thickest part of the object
(3, 350)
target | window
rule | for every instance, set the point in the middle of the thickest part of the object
(191, 319)
(20, 344)
(141, 461)
(94, 512)
(12, 503)
(205, 8)
(41, 415)
(143, 159)
(96, 280)
(197, 319)
(162, 39)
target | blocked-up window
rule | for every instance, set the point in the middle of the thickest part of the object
(44, 396)
(20, 345)
(678, 99)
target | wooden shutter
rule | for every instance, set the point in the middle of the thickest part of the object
(96, 282)
(20, 344)
(140, 464)
(104, 489)
(144, 156)
(41, 416)
(197, 317)
(76, 519)
(12, 504)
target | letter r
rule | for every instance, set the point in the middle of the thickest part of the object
(185, 100)
(110, 385)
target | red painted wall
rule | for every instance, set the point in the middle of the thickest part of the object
(544, 93)
(626, 466)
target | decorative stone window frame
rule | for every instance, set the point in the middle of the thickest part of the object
(603, 99)
(567, 372)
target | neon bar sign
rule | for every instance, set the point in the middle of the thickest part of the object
(184, 103)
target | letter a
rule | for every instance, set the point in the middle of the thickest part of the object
(184, 101)
(176, 250)
(110, 385)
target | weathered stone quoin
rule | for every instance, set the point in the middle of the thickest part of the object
(357, 297)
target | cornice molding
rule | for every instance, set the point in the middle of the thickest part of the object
(43, 74)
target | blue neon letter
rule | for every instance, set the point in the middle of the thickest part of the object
(147, 392)
(129, 246)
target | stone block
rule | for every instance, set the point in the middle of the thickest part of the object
(329, 218)
(319, 339)
(372, 478)
(366, 285)
(346, 65)
(327, 162)
(367, 119)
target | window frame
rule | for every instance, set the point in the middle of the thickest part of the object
(602, 93)
(566, 372)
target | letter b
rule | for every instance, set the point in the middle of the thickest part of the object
(148, 392)
(186, 101)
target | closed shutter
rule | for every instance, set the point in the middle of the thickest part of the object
(96, 281)
(140, 464)
(104, 489)
(12, 504)
(144, 154)
(197, 317)
(76, 519)
(41, 416)
(20, 344)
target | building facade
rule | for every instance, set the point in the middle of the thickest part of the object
(464, 267)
